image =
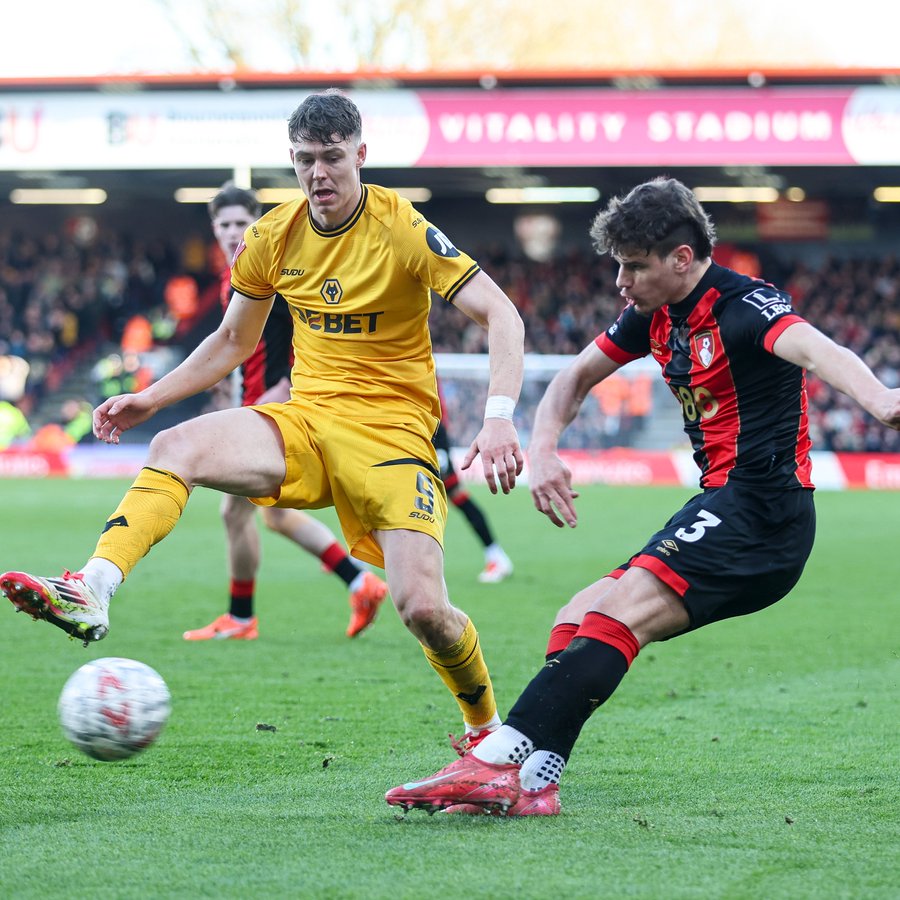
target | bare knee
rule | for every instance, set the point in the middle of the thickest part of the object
(235, 511)
(414, 563)
(174, 451)
(275, 518)
(574, 611)
(430, 617)
(639, 600)
(418, 611)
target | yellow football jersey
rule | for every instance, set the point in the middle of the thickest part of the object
(360, 300)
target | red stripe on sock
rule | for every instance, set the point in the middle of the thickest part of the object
(333, 555)
(610, 631)
(242, 589)
(561, 636)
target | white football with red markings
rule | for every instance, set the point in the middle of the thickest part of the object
(112, 708)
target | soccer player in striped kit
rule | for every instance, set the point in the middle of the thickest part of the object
(735, 355)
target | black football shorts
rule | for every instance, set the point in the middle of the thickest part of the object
(732, 550)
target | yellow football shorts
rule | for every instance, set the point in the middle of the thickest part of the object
(377, 476)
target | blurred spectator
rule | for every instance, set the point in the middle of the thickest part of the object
(78, 420)
(120, 374)
(182, 297)
(13, 377)
(612, 396)
(639, 403)
(13, 424)
(75, 428)
(137, 337)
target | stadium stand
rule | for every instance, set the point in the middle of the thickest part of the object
(74, 310)
(564, 301)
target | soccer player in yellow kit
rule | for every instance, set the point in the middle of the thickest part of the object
(356, 264)
(264, 377)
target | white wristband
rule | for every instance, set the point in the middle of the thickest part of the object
(499, 407)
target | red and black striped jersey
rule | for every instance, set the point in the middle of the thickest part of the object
(274, 354)
(744, 409)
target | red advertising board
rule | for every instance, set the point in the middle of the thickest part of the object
(22, 463)
(617, 466)
(875, 471)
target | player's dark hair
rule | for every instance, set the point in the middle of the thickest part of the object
(231, 195)
(655, 217)
(325, 118)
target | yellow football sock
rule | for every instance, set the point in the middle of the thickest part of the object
(147, 513)
(462, 668)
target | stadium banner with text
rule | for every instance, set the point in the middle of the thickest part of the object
(20, 462)
(614, 466)
(203, 129)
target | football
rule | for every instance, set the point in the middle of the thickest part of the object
(112, 708)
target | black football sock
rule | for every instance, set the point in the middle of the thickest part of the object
(241, 606)
(552, 710)
(347, 570)
(476, 520)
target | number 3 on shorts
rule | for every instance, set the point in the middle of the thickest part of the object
(698, 529)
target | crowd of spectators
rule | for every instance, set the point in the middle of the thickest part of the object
(857, 303)
(565, 303)
(63, 294)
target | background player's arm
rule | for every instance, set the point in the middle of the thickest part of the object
(549, 478)
(218, 354)
(806, 346)
(497, 442)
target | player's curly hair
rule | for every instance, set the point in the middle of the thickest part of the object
(326, 118)
(655, 217)
(231, 195)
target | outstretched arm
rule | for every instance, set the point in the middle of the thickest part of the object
(497, 442)
(218, 354)
(548, 476)
(806, 346)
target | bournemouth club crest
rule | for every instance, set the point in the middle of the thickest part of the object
(704, 348)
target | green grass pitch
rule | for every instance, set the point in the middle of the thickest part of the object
(755, 759)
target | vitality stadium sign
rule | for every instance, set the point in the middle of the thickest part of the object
(459, 128)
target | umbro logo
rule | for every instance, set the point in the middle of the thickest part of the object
(474, 697)
(667, 547)
(120, 521)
